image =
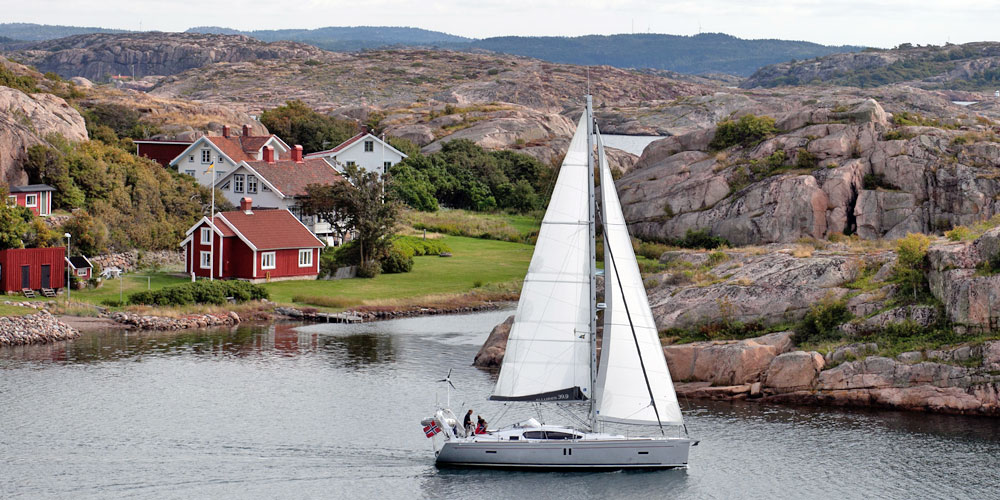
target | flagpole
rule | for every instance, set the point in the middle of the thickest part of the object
(211, 223)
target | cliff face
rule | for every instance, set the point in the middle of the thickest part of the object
(99, 55)
(833, 169)
(26, 120)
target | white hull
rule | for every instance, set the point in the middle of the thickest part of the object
(625, 453)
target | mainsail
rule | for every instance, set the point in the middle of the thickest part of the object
(623, 389)
(548, 351)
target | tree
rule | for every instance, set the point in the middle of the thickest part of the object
(323, 201)
(90, 236)
(12, 224)
(297, 123)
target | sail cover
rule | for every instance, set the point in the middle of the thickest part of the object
(622, 392)
(548, 351)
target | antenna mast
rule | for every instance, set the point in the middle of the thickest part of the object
(593, 255)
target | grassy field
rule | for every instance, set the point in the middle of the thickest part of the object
(474, 262)
(6, 310)
(130, 283)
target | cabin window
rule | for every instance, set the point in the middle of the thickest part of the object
(81, 272)
(386, 165)
(206, 260)
(267, 260)
(238, 183)
(31, 200)
(560, 435)
(191, 159)
(351, 163)
(11, 200)
(534, 435)
(306, 258)
(369, 146)
(220, 159)
(206, 236)
(206, 156)
(189, 172)
(251, 184)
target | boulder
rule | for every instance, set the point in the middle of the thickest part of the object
(26, 120)
(793, 371)
(490, 355)
(725, 363)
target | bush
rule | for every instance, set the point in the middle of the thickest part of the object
(700, 238)
(369, 269)
(200, 292)
(821, 322)
(908, 272)
(413, 246)
(749, 130)
(396, 262)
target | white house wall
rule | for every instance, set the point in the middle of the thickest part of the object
(261, 198)
(191, 163)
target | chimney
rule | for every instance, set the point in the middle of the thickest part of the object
(297, 154)
(246, 130)
(246, 204)
(269, 154)
(225, 131)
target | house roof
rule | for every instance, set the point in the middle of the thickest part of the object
(31, 188)
(352, 141)
(270, 229)
(237, 148)
(79, 262)
(291, 178)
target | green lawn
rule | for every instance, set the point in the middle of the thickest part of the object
(128, 284)
(485, 261)
(6, 310)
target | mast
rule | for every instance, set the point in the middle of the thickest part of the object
(592, 208)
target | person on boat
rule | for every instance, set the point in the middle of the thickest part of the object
(467, 423)
(481, 426)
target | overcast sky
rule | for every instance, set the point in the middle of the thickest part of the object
(878, 23)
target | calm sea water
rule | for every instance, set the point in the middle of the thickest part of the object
(629, 143)
(333, 411)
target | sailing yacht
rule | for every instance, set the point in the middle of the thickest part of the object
(551, 350)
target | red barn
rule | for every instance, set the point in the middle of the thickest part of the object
(37, 197)
(162, 152)
(33, 268)
(258, 246)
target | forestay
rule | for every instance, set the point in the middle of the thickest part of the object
(622, 393)
(548, 351)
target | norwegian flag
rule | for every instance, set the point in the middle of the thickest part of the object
(431, 430)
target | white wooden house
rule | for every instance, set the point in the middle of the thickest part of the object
(226, 152)
(364, 150)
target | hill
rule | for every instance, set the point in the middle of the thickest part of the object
(971, 66)
(346, 38)
(31, 32)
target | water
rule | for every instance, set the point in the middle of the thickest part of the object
(634, 144)
(333, 411)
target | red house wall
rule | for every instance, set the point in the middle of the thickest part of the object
(160, 153)
(11, 261)
(286, 263)
(22, 201)
(198, 248)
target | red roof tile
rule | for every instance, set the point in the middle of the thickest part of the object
(342, 145)
(271, 229)
(222, 227)
(241, 148)
(291, 178)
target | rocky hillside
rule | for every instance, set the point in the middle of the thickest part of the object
(98, 56)
(842, 166)
(972, 66)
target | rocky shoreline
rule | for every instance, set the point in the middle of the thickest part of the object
(143, 322)
(366, 315)
(38, 328)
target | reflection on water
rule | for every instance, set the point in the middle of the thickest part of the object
(279, 339)
(321, 411)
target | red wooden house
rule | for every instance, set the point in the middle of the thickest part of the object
(258, 246)
(80, 267)
(34, 268)
(37, 197)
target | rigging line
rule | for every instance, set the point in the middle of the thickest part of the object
(642, 364)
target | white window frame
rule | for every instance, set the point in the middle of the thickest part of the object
(251, 184)
(206, 156)
(12, 200)
(307, 261)
(191, 159)
(206, 236)
(267, 260)
(238, 183)
(81, 272)
(369, 146)
(28, 202)
(189, 172)
(206, 263)
(225, 186)
(351, 163)
(264, 188)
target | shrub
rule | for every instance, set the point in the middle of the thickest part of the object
(369, 269)
(749, 130)
(877, 181)
(396, 262)
(700, 238)
(805, 159)
(200, 292)
(822, 320)
(908, 272)
(649, 249)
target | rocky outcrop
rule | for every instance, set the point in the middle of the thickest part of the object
(38, 328)
(491, 354)
(832, 169)
(971, 298)
(26, 120)
(97, 56)
(725, 362)
(509, 129)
